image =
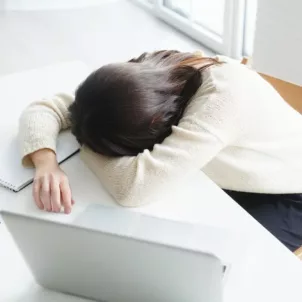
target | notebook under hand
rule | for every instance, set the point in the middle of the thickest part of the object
(16, 92)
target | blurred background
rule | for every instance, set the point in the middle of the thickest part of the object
(35, 33)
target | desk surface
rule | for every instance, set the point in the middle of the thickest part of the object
(269, 271)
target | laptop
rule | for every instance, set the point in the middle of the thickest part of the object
(127, 257)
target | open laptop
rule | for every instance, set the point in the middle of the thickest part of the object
(134, 260)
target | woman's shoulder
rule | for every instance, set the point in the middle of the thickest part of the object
(227, 86)
(220, 76)
(225, 59)
(228, 76)
(228, 69)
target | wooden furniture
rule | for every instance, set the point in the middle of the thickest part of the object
(292, 94)
(298, 253)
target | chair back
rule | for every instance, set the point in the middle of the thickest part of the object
(291, 93)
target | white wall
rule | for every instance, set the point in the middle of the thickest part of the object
(47, 4)
(278, 39)
(2, 4)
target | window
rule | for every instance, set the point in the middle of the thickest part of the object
(225, 26)
(201, 12)
(249, 27)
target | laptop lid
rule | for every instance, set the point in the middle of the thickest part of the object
(112, 267)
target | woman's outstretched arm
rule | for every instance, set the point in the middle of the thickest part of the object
(199, 137)
(41, 122)
(211, 122)
(40, 125)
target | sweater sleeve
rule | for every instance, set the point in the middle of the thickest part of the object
(41, 122)
(210, 123)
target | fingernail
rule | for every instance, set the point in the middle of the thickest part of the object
(67, 211)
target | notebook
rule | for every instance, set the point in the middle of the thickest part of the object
(16, 92)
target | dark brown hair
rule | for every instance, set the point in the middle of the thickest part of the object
(122, 109)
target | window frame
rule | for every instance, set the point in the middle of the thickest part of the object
(231, 41)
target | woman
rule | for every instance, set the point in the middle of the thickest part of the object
(148, 123)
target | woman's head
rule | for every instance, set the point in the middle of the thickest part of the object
(122, 109)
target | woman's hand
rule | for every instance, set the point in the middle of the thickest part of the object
(51, 188)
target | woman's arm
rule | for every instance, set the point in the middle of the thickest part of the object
(40, 125)
(134, 181)
(211, 122)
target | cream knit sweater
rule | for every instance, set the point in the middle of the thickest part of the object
(237, 129)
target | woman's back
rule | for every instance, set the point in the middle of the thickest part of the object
(270, 139)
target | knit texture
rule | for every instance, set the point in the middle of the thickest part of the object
(237, 129)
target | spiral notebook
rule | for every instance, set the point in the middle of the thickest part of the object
(16, 92)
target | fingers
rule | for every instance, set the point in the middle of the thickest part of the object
(66, 196)
(45, 194)
(55, 194)
(36, 194)
(51, 191)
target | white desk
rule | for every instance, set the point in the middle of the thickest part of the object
(269, 273)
